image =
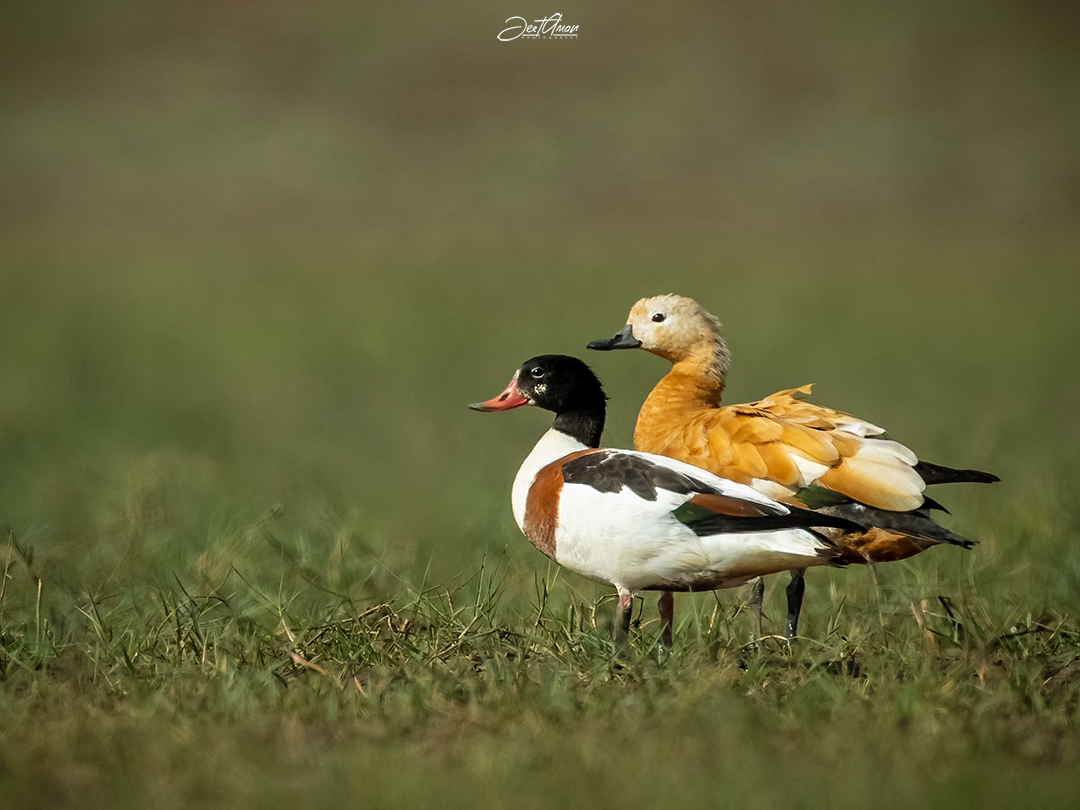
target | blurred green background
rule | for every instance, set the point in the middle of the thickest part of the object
(257, 257)
(262, 254)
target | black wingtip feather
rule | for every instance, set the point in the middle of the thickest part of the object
(930, 503)
(939, 474)
(808, 517)
(715, 523)
(916, 523)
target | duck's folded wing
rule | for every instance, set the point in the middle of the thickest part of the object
(706, 504)
(653, 477)
(794, 444)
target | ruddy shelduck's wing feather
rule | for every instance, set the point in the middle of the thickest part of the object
(716, 444)
(786, 441)
(895, 487)
(778, 461)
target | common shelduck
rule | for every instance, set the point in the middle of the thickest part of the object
(638, 521)
(784, 447)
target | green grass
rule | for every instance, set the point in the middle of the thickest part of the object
(254, 263)
(252, 559)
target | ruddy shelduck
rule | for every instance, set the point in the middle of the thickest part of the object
(638, 521)
(783, 446)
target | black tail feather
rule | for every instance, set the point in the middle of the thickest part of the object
(930, 503)
(937, 474)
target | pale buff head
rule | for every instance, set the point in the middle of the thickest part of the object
(677, 329)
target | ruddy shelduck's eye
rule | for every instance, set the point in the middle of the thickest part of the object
(537, 373)
(658, 317)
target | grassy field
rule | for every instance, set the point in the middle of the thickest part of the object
(254, 263)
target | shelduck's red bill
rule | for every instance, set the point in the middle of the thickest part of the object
(510, 398)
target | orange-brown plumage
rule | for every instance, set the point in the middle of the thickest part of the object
(764, 443)
(880, 545)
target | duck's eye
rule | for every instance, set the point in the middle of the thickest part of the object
(658, 317)
(537, 373)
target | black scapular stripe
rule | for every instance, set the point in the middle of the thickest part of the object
(611, 471)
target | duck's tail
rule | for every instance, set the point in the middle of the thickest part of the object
(937, 474)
